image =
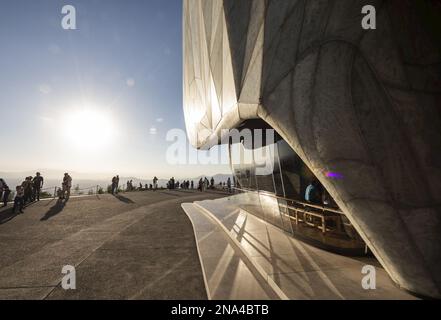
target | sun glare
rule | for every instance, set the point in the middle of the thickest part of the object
(88, 129)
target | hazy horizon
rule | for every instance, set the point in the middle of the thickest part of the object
(58, 174)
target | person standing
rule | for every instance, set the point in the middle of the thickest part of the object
(155, 183)
(4, 192)
(192, 184)
(67, 185)
(113, 185)
(117, 184)
(37, 186)
(27, 190)
(1, 187)
(206, 184)
(18, 200)
(229, 185)
(212, 183)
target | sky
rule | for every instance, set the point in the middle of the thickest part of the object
(98, 99)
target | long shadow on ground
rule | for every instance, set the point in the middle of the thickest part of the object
(7, 215)
(123, 199)
(54, 210)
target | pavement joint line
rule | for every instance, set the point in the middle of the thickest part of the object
(26, 287)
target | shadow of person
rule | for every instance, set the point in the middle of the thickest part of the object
(123, 199)
(7, 215)
(54, 210)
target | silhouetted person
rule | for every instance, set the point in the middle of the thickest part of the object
(67, 185)
(155, 183)
(113, 185)
(19, 199)
(212, 183)
(27, 190)
(37, 185)
(229, 185)
(117, 184)
(4, 192)
(192, 184)
(206, 184)
(2, 184)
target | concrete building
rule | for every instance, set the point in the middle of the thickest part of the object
(358, 109)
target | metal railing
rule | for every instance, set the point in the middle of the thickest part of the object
(304, 212)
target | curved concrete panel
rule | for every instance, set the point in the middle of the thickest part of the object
(363, 103)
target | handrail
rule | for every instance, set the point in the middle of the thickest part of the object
(323, 208)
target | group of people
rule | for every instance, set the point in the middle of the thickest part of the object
(29, 191)
(202, 186)
(131, 187)
(173, 184)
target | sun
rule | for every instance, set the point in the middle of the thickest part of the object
(88, 129)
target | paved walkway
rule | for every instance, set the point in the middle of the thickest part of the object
(135, 246)
(238, 250)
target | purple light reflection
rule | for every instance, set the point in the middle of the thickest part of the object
(334, 175)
